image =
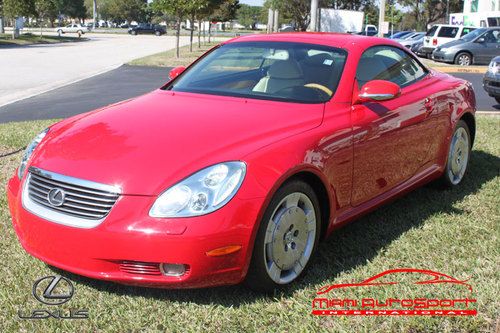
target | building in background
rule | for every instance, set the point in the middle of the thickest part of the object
(478, 13)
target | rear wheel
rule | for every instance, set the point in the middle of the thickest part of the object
(463, 59)
(287, 237)
(458, 156)
(157, 33)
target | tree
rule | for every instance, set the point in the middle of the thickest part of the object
(45, 9)
(226, 11)
(18, 8)
(248, 16)
(127, 10)
(177, 8)
(1, 18)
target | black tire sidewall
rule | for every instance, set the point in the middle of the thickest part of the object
(257, 277)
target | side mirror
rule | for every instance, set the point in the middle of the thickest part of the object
(378, 90)
(176, 72)
(480, 40)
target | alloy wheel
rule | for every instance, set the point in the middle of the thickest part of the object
(290, 237)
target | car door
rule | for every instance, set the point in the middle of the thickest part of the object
(490, 46)
(391, 138)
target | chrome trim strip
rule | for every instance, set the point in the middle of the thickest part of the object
(113, 190)
(377, 97)
(59, 217)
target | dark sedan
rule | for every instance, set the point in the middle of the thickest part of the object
(146, 28)
(477, 47)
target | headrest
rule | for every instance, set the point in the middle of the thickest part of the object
(285, 69)
(321, 59)
(370, 69)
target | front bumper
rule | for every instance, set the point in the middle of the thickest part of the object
(491, 84)
(128, 235)
(443, 56)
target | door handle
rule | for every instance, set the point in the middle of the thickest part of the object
(429, 105)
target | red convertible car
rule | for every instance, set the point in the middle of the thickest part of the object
(237, 167)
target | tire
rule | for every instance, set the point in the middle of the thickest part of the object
(463, 59)
(134, 33)
(287, 238)
(157, 33)
(497, 99)
(458, 156)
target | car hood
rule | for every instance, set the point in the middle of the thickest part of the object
(147, 144)
(453, 43)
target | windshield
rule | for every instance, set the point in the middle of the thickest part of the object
(266, 70)
(473, 35)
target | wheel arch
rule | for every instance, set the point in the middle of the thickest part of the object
(470, 120)
(464, 51)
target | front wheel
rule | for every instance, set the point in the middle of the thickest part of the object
(458, 155)
(157, 33)
(287, 237)
(463, 59)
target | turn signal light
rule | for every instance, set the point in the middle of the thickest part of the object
(222, 251)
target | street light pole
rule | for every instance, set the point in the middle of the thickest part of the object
(94, 13)
(314, 15)
(381, 18)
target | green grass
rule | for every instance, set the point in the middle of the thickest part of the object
(168, 59)
(455, 232)
(29, 39)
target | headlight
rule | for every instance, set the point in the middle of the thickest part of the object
(201, 193)
(29, 151)
(493, 67)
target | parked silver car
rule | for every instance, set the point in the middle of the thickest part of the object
(477, 47)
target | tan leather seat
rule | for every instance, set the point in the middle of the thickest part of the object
(281, 74)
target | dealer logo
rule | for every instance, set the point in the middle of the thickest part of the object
(53, 290)
(56, 197)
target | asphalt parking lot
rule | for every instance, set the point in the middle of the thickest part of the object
(128, 82)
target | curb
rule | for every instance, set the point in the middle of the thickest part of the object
(460, 69)
(489, 113)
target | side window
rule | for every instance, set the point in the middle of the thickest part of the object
(390, 64)
(465, 31)
(432, 31)
(448, 32)
(492, 36)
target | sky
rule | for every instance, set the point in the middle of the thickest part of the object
(253, 2)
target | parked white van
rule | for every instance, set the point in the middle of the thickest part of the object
(440, 34)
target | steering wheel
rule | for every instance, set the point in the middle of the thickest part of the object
(319, 87)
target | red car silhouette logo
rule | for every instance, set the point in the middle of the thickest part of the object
(432, 278)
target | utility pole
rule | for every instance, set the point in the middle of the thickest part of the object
(381, 18)
(276, 21)
(314, 15)
(94, 13)
(448, 11)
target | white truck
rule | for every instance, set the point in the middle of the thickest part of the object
(336, 20)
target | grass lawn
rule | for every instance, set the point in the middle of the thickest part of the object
(454, 232)
(168, 59)
(29, 38)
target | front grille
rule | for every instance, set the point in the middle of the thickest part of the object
(494, 83)
(142, 268)
(82, 201)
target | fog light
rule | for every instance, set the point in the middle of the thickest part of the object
(173, 269)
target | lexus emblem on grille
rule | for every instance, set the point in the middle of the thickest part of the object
(56, 197)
